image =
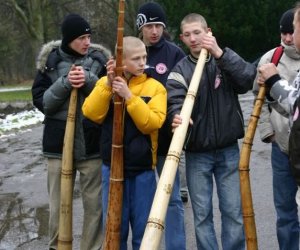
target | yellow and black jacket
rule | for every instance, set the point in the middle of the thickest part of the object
(145, 113)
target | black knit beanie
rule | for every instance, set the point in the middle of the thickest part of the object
(72, 27)
(286, 22)
(150, 13)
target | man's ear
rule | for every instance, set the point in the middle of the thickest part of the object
(180, 37)
(209, 30)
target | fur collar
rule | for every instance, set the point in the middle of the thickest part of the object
(48, 47)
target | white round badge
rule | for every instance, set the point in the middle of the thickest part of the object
(161, 68)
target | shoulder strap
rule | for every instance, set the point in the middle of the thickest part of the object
(277, 55)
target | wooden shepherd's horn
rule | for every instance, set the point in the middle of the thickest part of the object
(246, 196)
(66, 194)
(115, 196)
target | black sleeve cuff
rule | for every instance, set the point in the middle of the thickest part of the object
(269, 97)
(270, 82)
(217, 59)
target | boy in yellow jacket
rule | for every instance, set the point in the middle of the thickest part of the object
(145, 112)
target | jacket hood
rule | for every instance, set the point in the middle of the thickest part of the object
(48, 48)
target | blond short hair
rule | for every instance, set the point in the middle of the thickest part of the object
(192, 18)
(130, 43)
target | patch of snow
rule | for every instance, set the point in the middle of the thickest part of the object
(19, 121)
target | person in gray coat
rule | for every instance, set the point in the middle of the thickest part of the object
(274, 128)
(62, 65)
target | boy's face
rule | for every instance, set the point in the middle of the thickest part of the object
(287, 38)
(192, 35)
(152, 33)
(81, 44)
(296, 35)
(135, 60)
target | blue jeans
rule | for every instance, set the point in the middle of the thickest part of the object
(138, 194)
(175, 231)
(222, 164)
(284, 193)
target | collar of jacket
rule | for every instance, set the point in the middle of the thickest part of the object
(291, 51)
(195, 60)
(50, 46)
(135, 80)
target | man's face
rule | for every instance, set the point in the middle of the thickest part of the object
(135, 60)
(296, 35)
(287, 38)
(191, 36)
(152, 33)
(81, 44)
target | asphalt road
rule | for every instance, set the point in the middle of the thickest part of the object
(24, 200)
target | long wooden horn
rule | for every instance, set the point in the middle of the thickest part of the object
(66, 195)
(115, 196)
(156, 220)
(245, 187)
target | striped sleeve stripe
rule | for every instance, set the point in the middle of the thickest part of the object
(178, 78)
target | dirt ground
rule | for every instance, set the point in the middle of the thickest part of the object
(24, 199)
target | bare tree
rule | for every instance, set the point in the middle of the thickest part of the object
(106, 21)
(27, 24)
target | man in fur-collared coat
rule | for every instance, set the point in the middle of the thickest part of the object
(62, 65)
